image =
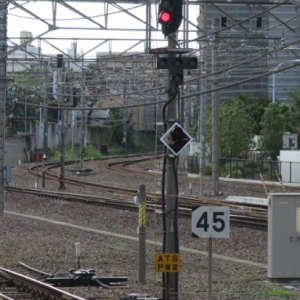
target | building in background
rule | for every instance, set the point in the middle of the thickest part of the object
(240, 43)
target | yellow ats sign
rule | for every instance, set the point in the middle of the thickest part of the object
(167, 262)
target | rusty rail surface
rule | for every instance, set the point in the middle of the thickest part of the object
(238, 215)
(24, 284)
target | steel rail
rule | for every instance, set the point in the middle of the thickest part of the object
(184, 201)
(128, 163)
(39, 286)
(241, 215)
(238, 215)
(188, 202)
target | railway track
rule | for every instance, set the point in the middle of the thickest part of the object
(124, 166)
(184, 201)
(15, 286)
(241, 215)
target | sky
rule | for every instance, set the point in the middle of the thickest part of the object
(19, 20)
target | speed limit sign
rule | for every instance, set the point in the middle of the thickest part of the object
(211, 222)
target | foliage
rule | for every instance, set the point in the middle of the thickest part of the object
(293, 115)
(33, 94)
(255, 108)
(274, 124)
(208, 169)
(230, 173)
(90, 152)
(280, 118)
(194, 123)
(274, 292)
(116, 121)
(241, 279)
(294, 97)
(272, 176)
(235, 129)
(239, 121)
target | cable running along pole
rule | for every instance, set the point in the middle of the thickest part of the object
(60, 85)
(215, 112)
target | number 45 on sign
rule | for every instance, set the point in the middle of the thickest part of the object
(211, 222)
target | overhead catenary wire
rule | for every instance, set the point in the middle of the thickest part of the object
(194, 79)
(249, 18)
(219, 72)
(254, 15)
(139, 93)
(182, 97)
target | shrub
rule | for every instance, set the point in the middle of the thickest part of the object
(208, 169)
(225, 172)
(195, 169)
(272, 176)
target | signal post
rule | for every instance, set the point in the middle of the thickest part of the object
(175, 138)
(172, 235)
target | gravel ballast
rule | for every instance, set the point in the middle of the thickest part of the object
(51, 247)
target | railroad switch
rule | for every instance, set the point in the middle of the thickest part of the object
(80, 277)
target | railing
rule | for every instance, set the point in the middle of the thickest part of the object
(251, 169)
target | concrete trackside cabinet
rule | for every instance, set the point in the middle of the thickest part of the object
(284, 237)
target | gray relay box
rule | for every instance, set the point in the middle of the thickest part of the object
(284, 236)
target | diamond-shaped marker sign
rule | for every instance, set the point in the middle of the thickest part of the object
(176, 139)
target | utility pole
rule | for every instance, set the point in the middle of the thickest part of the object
(185, 123)
(202, 121)
(124, 120)
(72, 120)
(46, 82)
(45, 127)
(215, 110)
(82, 154)
(3, 87)
(124, 113)
(61, 85)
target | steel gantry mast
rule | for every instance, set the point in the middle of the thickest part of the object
(3, 38)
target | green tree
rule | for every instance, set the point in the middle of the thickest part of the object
(274, 123)
(255, 108)
(27, 83)
(236, 129)
(293, 115)
(294, 97)
(194, 122)
(116, 122)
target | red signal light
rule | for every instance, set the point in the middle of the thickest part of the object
(176, 132)
(165, 17)
(170, 15)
